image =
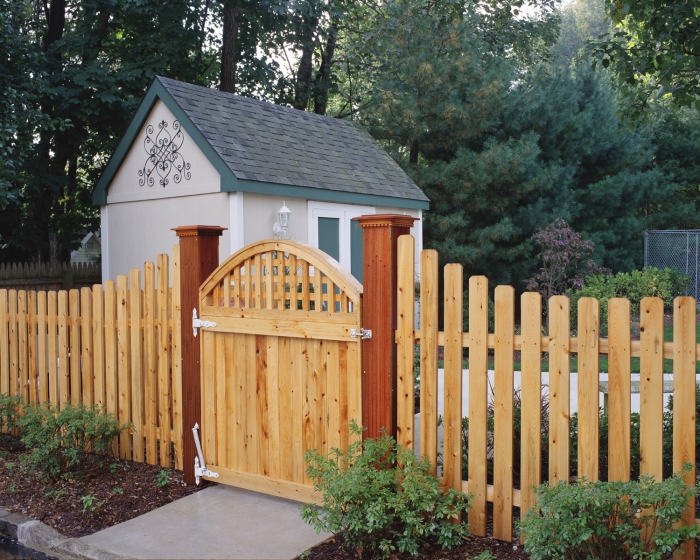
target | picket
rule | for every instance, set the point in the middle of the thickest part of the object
(42, 355)
(53, 350)
(23, 345)
(478, 400)
(74, 342)
(651, 327)
(531, 399)
(619, 389)
(163, 362)
(123, 387)
(4, 345)
(86, 332)
(588, 377)
(32, 364)
(405, 405)
(685, 352)
(428, 356)
(504, 341)
(452, 457)
(151, 362)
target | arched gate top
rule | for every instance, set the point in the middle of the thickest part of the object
(277, 274)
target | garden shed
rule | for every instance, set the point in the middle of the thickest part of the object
(194, 155)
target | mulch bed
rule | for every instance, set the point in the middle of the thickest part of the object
(58, 503)
(333, 549)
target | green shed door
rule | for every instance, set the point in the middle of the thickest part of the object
(329, 236)
(356, 250)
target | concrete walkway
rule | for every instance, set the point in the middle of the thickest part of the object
(218, 522)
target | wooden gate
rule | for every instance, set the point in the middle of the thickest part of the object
(281, 371)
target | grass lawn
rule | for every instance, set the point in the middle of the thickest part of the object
(668, 364)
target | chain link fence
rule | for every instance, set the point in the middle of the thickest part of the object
(675, 249)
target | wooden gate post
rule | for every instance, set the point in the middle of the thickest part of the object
(380, 233)
(199, 257)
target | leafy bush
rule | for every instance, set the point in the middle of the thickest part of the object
(9, 411)
(608, 519)
(635, 285)
(382, 498)
(565, 260)
(59, 439)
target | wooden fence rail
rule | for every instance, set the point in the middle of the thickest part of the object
(558, 343)
(115, 345)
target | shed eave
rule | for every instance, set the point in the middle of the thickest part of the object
(326, 195)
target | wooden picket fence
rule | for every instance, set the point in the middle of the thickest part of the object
(651, 349)
(115, 345)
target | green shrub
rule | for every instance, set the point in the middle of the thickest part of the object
(635, 285)
(162, 479)
(59, 440)
(382, 498)
(608, 519)
(9, 411)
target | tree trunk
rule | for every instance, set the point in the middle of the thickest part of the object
(56, 23)
(323, 76)
(303, 85)
(413, 156)
(228, 51)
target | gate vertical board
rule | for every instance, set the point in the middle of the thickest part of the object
(281, 371)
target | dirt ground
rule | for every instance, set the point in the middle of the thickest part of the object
(121, 490)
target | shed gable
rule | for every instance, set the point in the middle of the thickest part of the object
(163, 162)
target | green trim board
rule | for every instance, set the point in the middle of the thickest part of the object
(228, 180)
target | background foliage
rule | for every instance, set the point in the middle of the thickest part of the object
(504, 115)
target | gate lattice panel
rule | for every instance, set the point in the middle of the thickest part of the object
(281, 371)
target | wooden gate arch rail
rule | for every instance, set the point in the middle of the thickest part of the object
(281, 371)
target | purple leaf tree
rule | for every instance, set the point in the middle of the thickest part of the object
(565, 258)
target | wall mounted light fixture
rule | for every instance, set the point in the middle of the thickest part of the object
(281, 228)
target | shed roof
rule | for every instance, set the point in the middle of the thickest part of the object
(262, 147)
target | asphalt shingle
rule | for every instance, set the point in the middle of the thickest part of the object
(274, 144)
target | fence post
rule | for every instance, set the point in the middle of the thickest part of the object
(380, 233)
(199, 257)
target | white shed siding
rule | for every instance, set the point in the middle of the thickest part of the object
(140, 230)
(260, 216)
(203, 176)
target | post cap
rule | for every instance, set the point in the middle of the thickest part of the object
(385, 220)
(199, 231)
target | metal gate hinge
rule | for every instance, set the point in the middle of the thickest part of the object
(200, 468)
(197, 323)
(364, 333)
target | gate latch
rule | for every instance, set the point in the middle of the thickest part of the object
(364, 333)
(200, 468)
(197, 323)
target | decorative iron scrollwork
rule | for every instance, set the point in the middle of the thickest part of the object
(164, 156)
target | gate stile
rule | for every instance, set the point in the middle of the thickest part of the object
(281, 370)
